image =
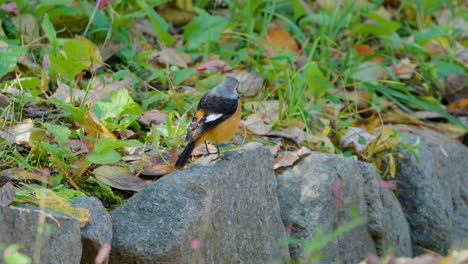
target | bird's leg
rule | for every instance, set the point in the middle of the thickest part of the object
(207, 151)
(219, 157)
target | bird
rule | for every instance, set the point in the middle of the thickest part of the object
(216, 119)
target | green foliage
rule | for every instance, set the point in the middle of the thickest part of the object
(104, 151)
(13, 256)
(120, 113)
(204, 28)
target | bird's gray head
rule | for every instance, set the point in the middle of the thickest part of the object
(227, 88)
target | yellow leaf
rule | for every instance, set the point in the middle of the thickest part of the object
(51, 200)
(95, 129)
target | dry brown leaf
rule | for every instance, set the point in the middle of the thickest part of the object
(295, 134)
(275, 148)
(7, 194)
(456, 87)
(269, 110)
(172, 56)
(111, 47)
(63, 93)
(250, 83)
(214, 66)
(369, 124)
(51, 200)
(459, 107)
(156, 165)
(77, 146)
(358, 97)
(153, 117)
(19, 133)
(279, 40)
(289, 158)
(358, 137)
(120, 178)
(256, 124)
(404, 69)
(38, 174)
(200, 150)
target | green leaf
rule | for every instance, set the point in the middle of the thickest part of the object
(76, 55)
(316, 80)
(8, 59)
(49, 29)
(430, 33)
(446, 68)
(104, 150)
(382, 26)
(182, 75)
(120, 112)
(61, 133)
(204, 28)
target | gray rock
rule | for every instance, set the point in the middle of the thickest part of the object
(434, 192)
(316, 194)
(59, 242)
(97, 232)
(226, 212)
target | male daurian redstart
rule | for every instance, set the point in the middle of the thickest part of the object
(216, 119)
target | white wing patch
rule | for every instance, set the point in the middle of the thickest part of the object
(212, 117)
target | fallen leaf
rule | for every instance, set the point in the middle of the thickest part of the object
(214, 66)
(51, 200)
(7, 194)
(456, 87)
(38, 174)
(77, 146)
(200, 150)
(101, 90)
(295, 134)
(110, 48)
(369, 71)
(126, 134)
(275, 148)
(289, 158)
(365, 50)
(358, 137)
(19, 133)
(95, 130)
(250, 83)
(175, 15)
(120, 178)
(256, 124)
(459, 107)
(153, 117)
(278, 41)
(369, 124)
(269, 109)
(404, 69)
(156, 165)
(63, 93)
(172, 56)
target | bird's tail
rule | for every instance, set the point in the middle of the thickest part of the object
(185, 155)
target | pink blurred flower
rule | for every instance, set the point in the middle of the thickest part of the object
(10, 8)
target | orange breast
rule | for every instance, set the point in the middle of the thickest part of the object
(225, 130)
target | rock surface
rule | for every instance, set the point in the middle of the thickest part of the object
(98, 231)
(226, 212)
(316, 193)
(60, 241)
(434, 192)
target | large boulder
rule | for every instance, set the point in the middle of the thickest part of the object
(98, 231)
(318, 194)
(57, 240)
(434, 192)
(222, 212)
